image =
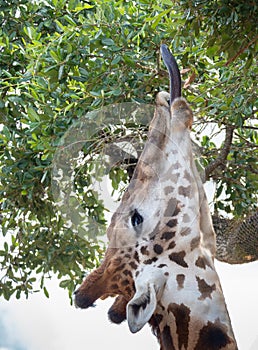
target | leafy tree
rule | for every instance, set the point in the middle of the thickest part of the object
(60, 61)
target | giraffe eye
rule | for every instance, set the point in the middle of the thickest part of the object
(136, 218)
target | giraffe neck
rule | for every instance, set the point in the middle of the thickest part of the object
(194, 316)
(181, 330)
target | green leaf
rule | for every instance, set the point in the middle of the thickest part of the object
(128, 60)
(107, 42)
(55, 56)
(46, 292)
(32, 114)
(116, 60)
(64, 283)
(84, 7)
(69, 20)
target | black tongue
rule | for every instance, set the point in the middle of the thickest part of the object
(174, 73)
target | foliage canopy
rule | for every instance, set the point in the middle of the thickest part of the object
(61, 59)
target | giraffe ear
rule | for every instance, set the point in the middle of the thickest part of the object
(141, 308)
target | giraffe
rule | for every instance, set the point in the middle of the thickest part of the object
(160, 259)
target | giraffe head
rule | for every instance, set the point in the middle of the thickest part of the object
(161, 240)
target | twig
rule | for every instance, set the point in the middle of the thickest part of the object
(241, 51)
(250, 144)
(221, 159)
(249, 127)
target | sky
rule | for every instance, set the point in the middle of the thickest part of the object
(39, 323)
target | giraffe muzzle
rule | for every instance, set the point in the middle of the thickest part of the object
(82, 301)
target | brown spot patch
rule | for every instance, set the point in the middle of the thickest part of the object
(177, 210)
(182, 318)
(125, 283)
(166, 339)
(127, 273)
(172, 177)
(186, 218)
(157, 249)
(177, 165)
(114, 287)
(116, 278)
(178, 258)
(170, 207)
(162, 265)
(213, 336)
(144, 250)
(141, 173)
(172, 223)
(120, 267)
(128, 291)
(184, 191)
(167, 235)
(187, 176)
(204, 288)
(168, 190)
(180, 281)
(171, 245)
(133, 265)
(202, 262)
(136, 256)
(195, 242)
(150, 261)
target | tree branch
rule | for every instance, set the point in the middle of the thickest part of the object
(249, 127)
(222, 157)
(241, 51)
(250, 144)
